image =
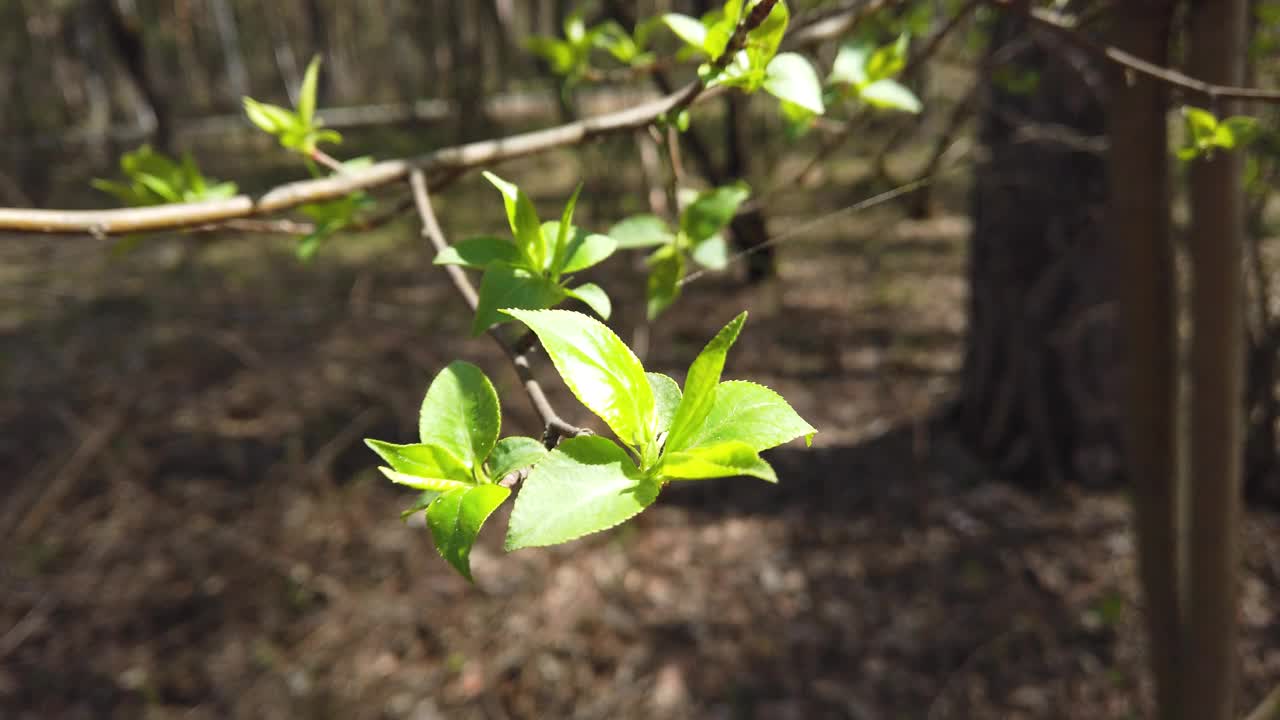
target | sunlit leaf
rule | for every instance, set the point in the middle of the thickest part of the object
(460, 413)
(700, 385)
(728, 459)
(585, 485)
(455, 519)
(791, 77)
(599, 368)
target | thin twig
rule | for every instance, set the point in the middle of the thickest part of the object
(123, 221)
(554, 427)
(1169, 76)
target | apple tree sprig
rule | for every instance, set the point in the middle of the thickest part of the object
(589, 483)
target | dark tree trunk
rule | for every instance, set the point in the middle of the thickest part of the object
(126, 37)
(1037, 398)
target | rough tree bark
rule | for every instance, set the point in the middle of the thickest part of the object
(1038, 381)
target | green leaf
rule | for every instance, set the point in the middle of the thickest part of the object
(888, 60)
(712, 253)
(688, 29)
(662, 287)
(713, 210)
(748, 413)
(460, 413)
(641, 231)
(1200, 123)
(594, 297)
(558, 54)
(599, 368)
(700, 385)
(581, 249)
(455, 519)
(421, 483)
(221, 191)
(161, 187)
(666, 398)
(421, 460)
(514, 453)
(269, 118)
(523, 218)
(421, 503)
(562, 232)
(479, 252)
(585, 485)
(323, 136)
(122, 192)
(504, 286)
(1241, 129)
(791, 77)
(307, 92)
(763, 42)
(850, 65)
(728, 459)
(890, 95)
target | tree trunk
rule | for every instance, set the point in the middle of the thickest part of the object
(1039, 373)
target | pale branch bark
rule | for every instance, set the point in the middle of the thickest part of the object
(102, 223)
(554, 427)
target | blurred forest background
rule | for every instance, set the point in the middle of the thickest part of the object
(193, 528)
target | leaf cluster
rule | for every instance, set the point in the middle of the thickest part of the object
(300, 129)
(156, 179)
(699, 238)
(532, 269)
(570, 57)
(1206, 134)
(586, 484)
(757, 65)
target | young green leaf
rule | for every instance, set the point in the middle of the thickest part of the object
(594, 297)
(713, 210)
(599, 368)
(455, 519)
(523, 218)
(751, 414)
(580, 250)
(424, 461)
(728, 459)
(479, 252)
(689, 29)
(641, 231)
(460, 414)
(420, 503)
(666, 398)
(850, 65)
(712, 253)
(700, 385)
(763, 41)
(269, 118)
(585, 485)
(421, 483)
(791, 77)
(888, 60)
(890, 95)
(514, 453)
(666, 269)
(563, 231)
(504, 286)
(307, 93)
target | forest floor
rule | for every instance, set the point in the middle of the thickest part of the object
(192, 527)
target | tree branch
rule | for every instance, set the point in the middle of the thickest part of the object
(554, 427)
(1166, 75)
